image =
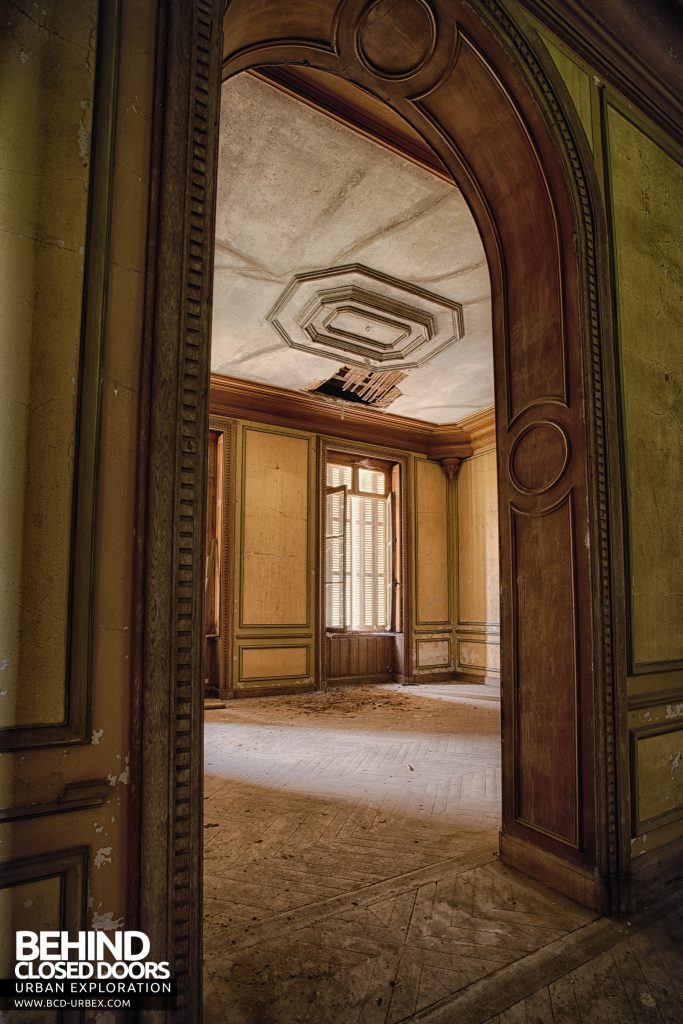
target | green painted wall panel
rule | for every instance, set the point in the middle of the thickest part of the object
(646, 186)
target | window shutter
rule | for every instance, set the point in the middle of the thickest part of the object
(334, 557)
(358, 550)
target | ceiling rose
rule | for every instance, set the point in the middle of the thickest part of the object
(366, 316)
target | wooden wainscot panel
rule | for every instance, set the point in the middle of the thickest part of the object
(546, 724)
(271, 665)
(433, 653)
(657, 754)
(479, 654)
(360, 655)
(275, 529)
(431, 543)
(478, 579)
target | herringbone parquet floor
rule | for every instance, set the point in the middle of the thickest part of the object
(350, 867)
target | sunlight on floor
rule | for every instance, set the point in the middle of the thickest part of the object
(409, 770)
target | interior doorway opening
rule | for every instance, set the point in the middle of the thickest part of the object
(352, 550)
(484, 99)
(373, 262)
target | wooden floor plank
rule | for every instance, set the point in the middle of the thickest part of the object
(563, 1001)
(662, 986)
(515, 1014)
(539, 1008)
(643, 1003)
(351, 878)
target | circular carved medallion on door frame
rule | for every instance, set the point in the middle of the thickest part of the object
(529, 472)
(395, 39)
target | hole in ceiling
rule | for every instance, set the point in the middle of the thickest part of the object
(376, 388)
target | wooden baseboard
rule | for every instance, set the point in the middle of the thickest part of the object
(655, 869)
(243, 693)
(360, 680)
(476, 678)
(444, 675)
(580, 885)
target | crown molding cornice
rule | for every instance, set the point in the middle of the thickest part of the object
(297, 82)
(481, 426)
(300, 410)
(629, 46)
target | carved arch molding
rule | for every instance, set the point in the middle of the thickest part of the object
(462, 74)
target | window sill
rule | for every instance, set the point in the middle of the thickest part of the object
(360, 632)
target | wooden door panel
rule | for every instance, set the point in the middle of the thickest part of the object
(545, 765)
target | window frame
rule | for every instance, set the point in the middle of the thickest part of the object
(386, 467)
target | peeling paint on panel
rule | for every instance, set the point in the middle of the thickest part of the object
(103, 856)
(106, 922)
(4, 664)
(675, 760)
(97, 736)
(674, 710)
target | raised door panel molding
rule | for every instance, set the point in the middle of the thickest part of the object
(260, 665)
(480, 655)
(51, 386)
(547, 683)
(433, 653)
(657, 770)
(47, 891)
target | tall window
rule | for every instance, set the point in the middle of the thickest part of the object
(358, 556)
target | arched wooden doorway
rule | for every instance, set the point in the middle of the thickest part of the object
(463, 76)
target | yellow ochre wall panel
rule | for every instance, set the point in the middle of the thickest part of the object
(659, 766)
(43, 212)
(577, 82)
(273, 662)
(275, 529)
(432, 583)
(478, 587)
(647, 211)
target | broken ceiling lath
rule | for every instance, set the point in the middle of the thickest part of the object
(371, 387)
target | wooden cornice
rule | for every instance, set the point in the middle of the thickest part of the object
(634, 47)
(481, 426)
(300, 410)
(374, 121)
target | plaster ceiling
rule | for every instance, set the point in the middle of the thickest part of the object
(332, 250)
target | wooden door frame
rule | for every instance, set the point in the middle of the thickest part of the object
(166, 830)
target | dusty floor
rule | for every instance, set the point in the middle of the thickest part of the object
(351, 876)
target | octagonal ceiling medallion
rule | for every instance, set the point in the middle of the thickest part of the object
(365, 316)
